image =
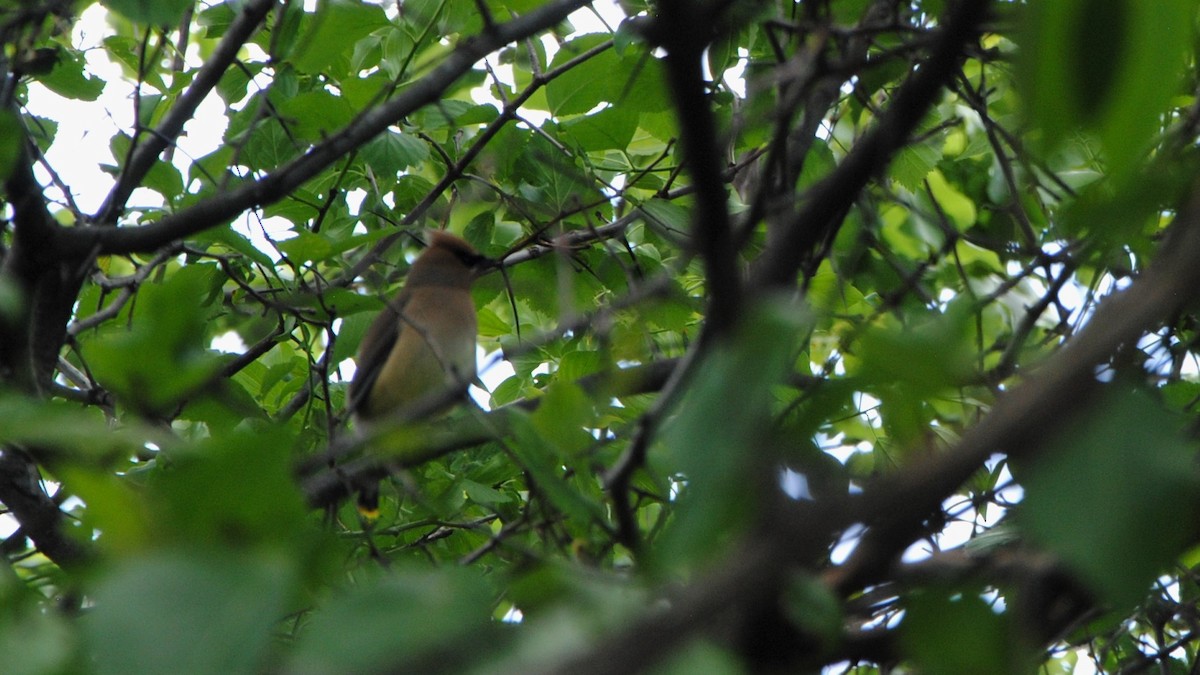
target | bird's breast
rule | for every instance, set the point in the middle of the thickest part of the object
(434, 350)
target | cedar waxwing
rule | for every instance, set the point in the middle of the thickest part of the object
(422, 344)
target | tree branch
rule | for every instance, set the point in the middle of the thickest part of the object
(146, 153)
(685, 28)
(276, 185)
(821, 216)
(895, 506)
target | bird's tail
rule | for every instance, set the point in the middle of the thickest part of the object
(368, 499)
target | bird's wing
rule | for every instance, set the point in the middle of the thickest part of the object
(377, 343)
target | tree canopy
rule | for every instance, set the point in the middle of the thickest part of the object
(828, 336)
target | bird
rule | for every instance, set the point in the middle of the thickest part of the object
(421, 346)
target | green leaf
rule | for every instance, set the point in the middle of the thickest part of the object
(390, 153)
(700, 657)
(41, 130)
(442, 115)
(12, 135)
(351, 335)
(69, 80)
(409, 621)
(926, 357)
(609, 129)
(315, 114)
(234, 490)
(153, 12)
(817, 164)
(186, 612)
(306, 247)
(269, 146)
(166, 180)
(332, 32)
(563, 417)
(813, 606)
(127, 51)
(668, 215)
(951, 633)
(544, 462)
(445, 17)
(216, 18)
(588, 84)
(115, 510)
(163, 357)
(1109, 66)
(37, 643)
(954, 204)
(482, 494)
(715, 451)
(628, 33)
(913, 164)
(235, 242)
(577, 364)
(1107, 493)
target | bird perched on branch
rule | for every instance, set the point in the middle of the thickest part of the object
(418, 355)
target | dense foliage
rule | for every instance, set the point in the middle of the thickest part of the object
(831, 335)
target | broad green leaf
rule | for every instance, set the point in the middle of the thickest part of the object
(1111, 66)
(215, 18)
(482, 494)
(234, 490)
(950, 633)
(817, 164)
(269, 146)
(828, 292)
(83, 435)
(42, 130)
(153, 12)
(562, 419)
(331, 32)
(544, 461)
(234, 241)
(69, 80)
(577, 364)
(163, 358)
(950, 201)
(931, 355)
(37, 642)
(718, 454)
(587, 85)
(440, 116)
(445, 17)
(315, 114)
(391, 152)
(168, 612)
(701, 657)
(306, 247)
(667, 215)
(609, 129)
(811, 604)
(127, 51)
(164, 179)
(517, 7)
(123, 519)
(978, 261)
(913, 164)
(1109, 492)
(411, 620)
